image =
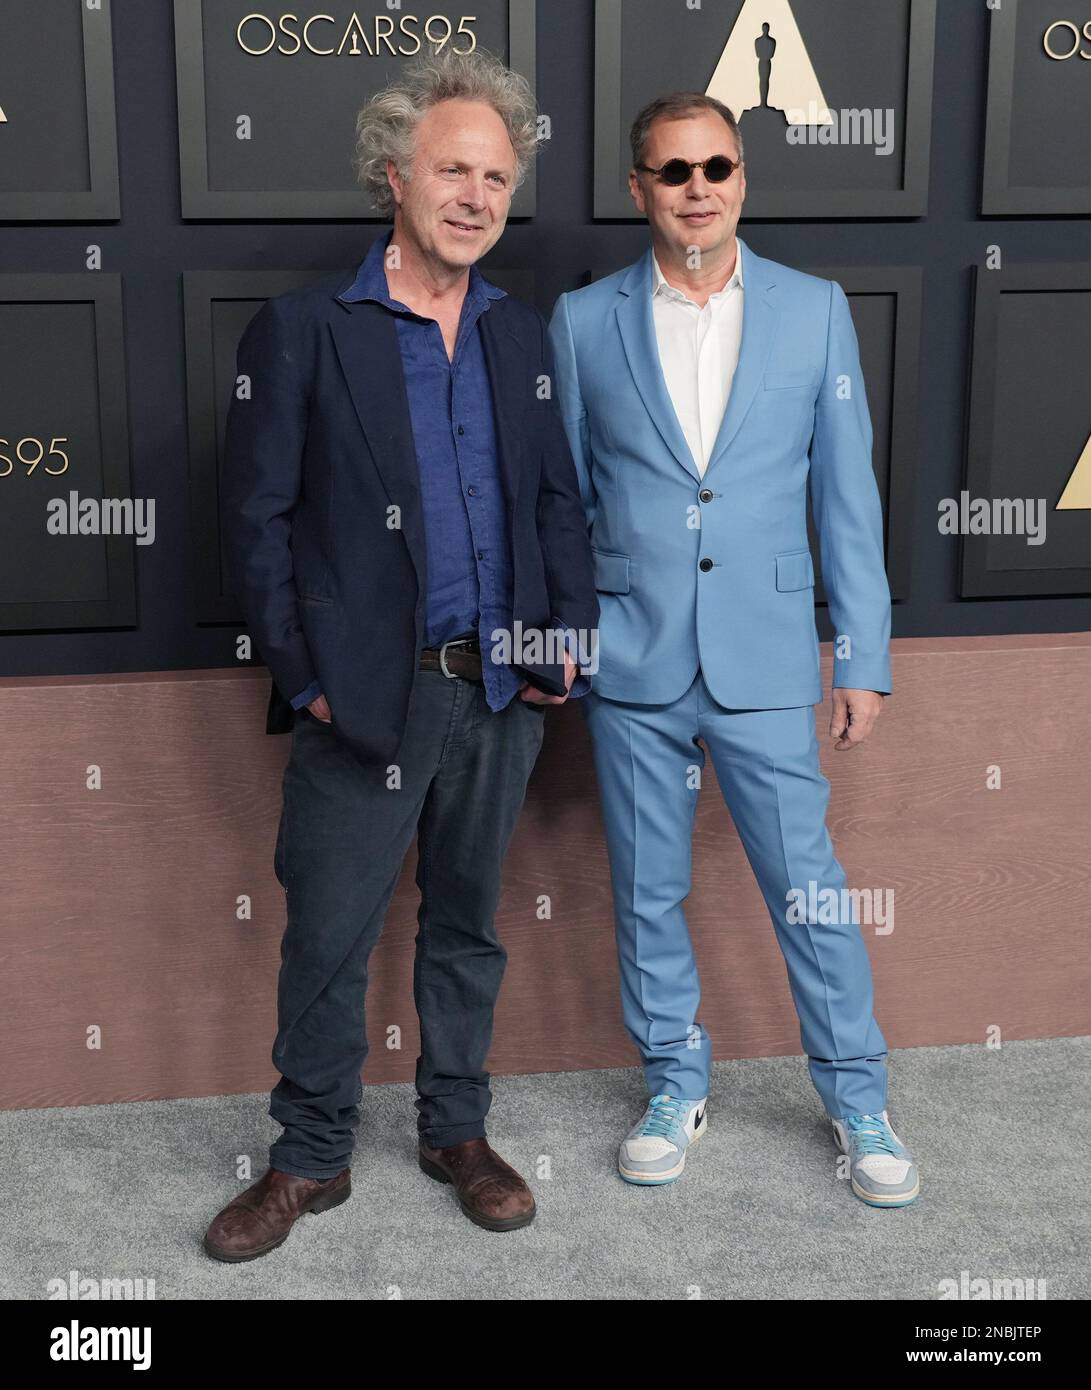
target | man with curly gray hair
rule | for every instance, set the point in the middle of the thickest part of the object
(404, 526)
(387, 126)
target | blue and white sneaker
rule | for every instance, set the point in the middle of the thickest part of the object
(654, 1150)
(881, 1168)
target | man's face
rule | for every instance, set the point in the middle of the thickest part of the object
(698, 214)
(455, 205)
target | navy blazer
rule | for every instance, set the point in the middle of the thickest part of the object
(321, 504)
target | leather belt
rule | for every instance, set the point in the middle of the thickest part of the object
(459, 657)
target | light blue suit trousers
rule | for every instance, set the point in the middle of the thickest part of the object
(648, 763)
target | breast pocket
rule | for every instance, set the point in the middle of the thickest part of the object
(791, 381)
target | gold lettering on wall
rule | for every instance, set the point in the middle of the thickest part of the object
(31, 457)
(1052, 42)
(258, 34)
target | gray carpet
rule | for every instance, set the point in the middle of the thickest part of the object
(1001, 1137)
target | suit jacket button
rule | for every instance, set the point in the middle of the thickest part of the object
(706, 565)
(705, 495)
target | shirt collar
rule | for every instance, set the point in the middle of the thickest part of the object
(370, 282)
(669, 291)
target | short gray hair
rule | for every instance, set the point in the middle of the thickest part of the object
(386, 127)
(677, 107)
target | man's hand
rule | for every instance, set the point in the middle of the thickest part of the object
(533, 696)
(320, 709)
(854, 715)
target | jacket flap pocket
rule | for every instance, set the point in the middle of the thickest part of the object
(795, 570)
(780, 381)
(611, 571)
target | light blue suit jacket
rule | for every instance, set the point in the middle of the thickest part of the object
(797, 407)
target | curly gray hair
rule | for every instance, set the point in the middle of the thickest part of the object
(386, 127)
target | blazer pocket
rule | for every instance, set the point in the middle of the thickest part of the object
(795, 570)
(783, 381)
(611, 571)
(313, 598)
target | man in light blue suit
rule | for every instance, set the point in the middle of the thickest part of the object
(700, 388)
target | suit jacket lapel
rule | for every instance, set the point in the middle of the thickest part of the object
(759, 316)
(510, 381)
(637, 328)
(366, 339)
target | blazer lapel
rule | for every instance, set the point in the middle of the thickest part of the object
(366, 339)
(759, 316)
(637, 328)
(510, 381)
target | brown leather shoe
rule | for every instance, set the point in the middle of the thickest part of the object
(490, 1192)
(259, 1219)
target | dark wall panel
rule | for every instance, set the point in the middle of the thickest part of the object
(206, 223)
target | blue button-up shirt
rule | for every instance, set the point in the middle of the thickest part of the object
(467, 539)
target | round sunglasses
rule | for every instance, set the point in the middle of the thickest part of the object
(676, 172)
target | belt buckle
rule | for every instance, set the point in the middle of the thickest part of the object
(443, 656)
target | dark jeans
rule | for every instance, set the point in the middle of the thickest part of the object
(344, 832)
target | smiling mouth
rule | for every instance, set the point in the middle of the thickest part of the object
(464, 226)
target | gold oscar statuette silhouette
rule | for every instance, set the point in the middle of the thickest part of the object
(748, 76)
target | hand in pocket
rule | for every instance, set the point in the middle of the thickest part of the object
(320, 709)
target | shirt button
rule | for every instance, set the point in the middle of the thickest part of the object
(706, 565)
(705, 495)
(472, 491)
(461, 430)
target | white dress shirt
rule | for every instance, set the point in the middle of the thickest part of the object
(699, 351)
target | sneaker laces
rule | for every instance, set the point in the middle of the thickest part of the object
(663, 1117)
(873, 1135)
